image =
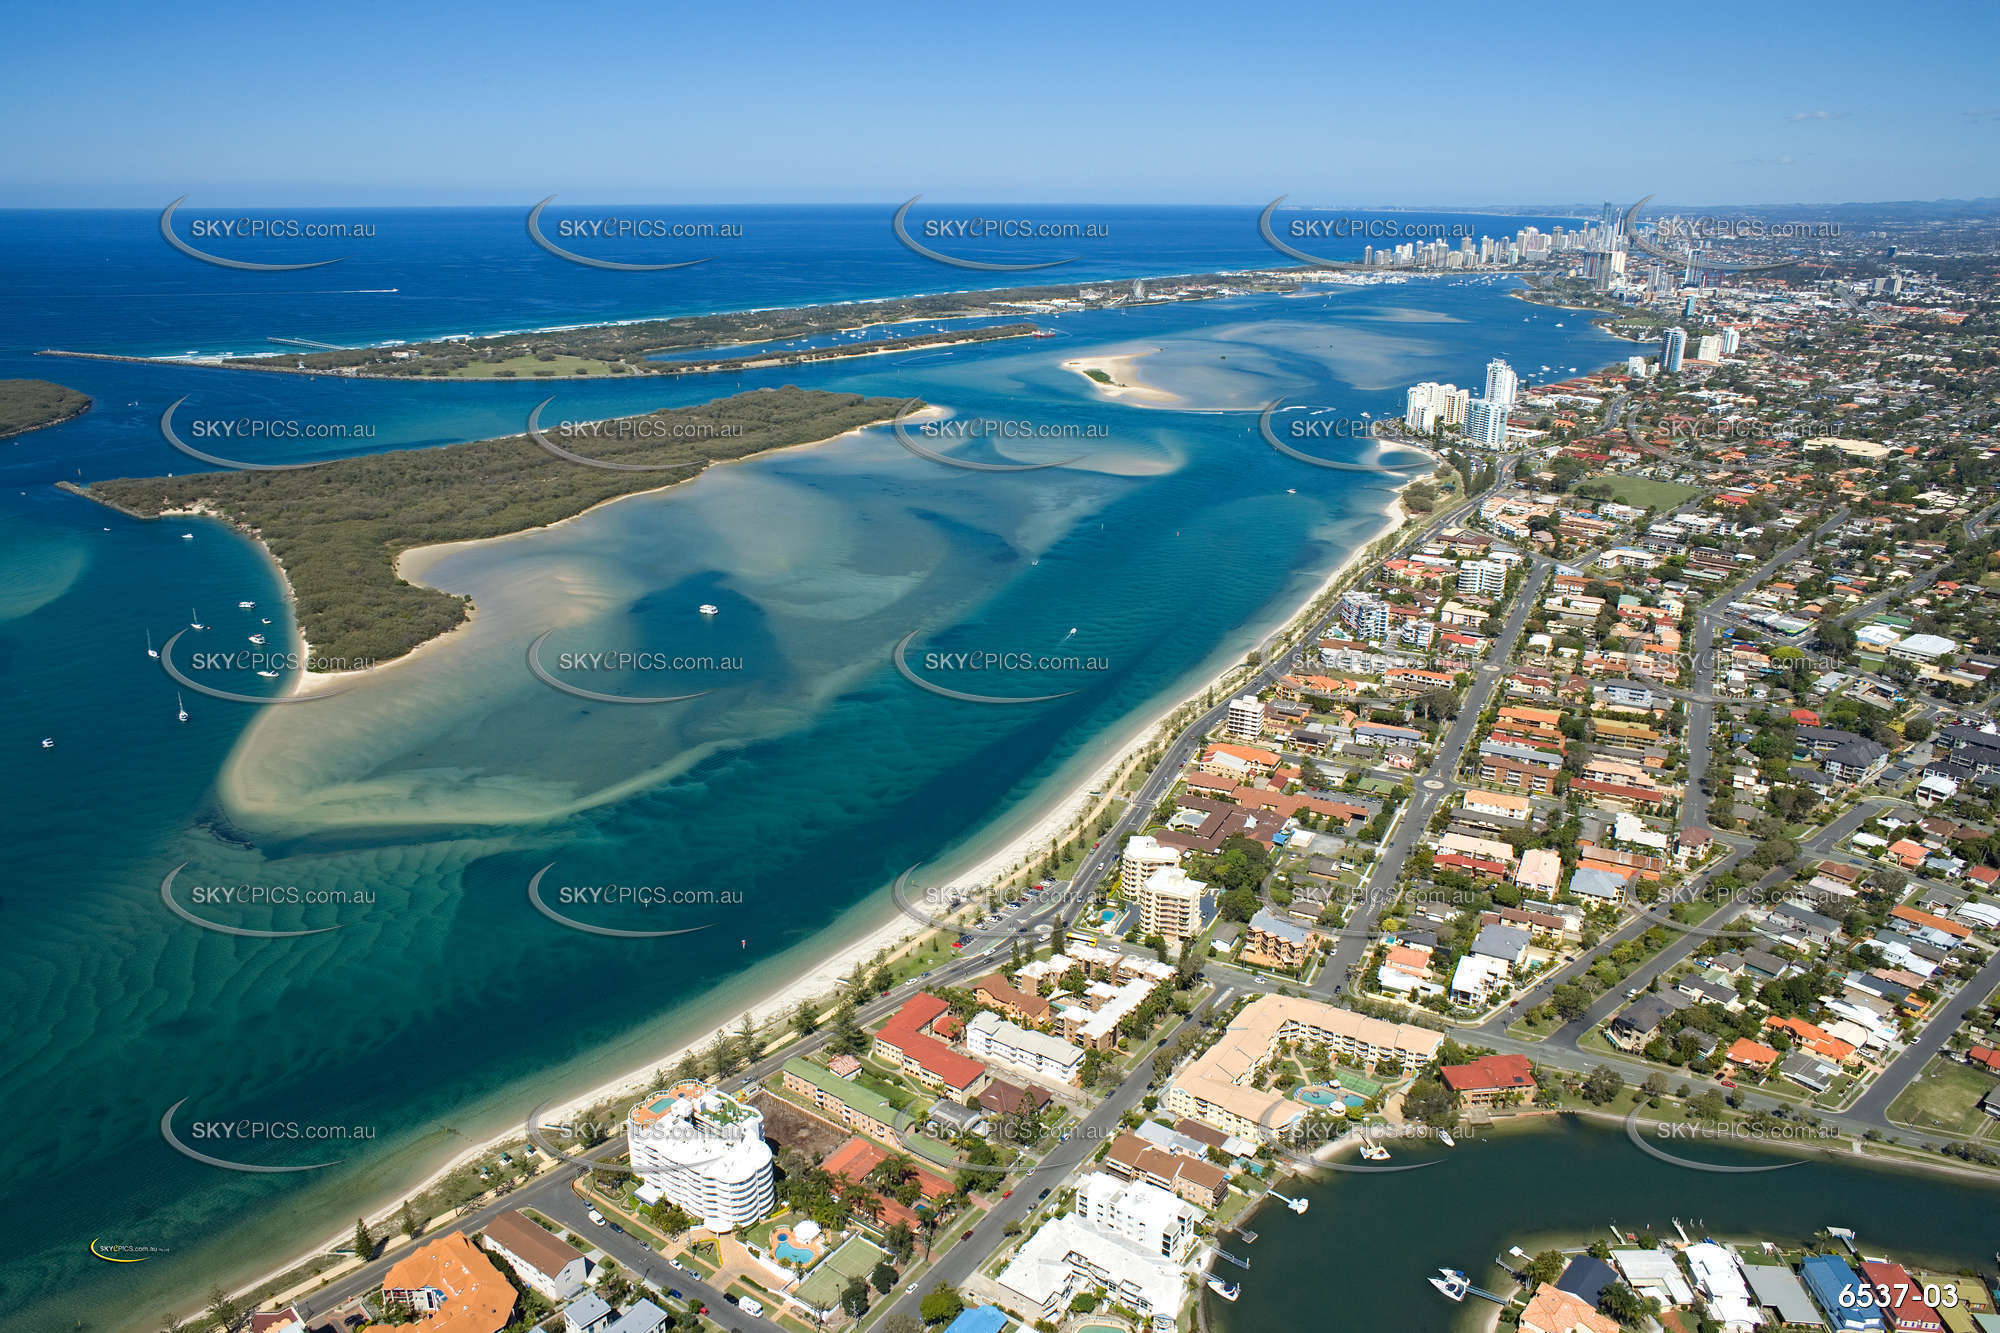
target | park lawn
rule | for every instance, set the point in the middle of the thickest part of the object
(1646, 493)
(1944, 1096)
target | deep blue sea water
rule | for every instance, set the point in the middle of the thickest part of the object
(447, 1009)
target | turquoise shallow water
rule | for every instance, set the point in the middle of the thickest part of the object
(445, 1006)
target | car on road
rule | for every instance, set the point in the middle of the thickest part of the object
(732, 1298)
(1043, 1195)
(615, 1227)
(596, 1218)
(1726, 1082)
(674, 1293)
(1007, 1194)
(966, 1234)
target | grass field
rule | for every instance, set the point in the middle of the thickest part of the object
(1944, 1096)
(1646, 493)
(856, 1258)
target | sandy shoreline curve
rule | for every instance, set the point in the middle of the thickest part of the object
(1077, 801)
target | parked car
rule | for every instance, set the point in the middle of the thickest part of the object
(965, 1235)
(596, 1218)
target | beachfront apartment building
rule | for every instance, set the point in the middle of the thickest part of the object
(704, 1151)
(450, 1284)
(1365, 615)
(1486, 423)
(991, 1037)
(1430, 405)
(841, 1100)
(1170, 905)
(1246, 717)
(912, 1042)
(1142, 856)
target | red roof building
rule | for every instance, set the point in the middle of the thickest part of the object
(906, 1041)
(1901, 1300)
(1479, 1081)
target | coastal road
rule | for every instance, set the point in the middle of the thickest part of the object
(553, 1195)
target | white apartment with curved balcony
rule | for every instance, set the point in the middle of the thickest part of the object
(704, 1151)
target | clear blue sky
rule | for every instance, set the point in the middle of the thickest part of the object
(1747, 102)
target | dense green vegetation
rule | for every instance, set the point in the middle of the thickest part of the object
(338, 529)
(31, 404)
(623, 349)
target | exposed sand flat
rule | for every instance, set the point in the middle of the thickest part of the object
(816, 968)
(1124, 382)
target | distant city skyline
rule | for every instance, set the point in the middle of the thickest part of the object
(1170, 104)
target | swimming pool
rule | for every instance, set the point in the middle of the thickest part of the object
(1316, 1096)
(785, 1250)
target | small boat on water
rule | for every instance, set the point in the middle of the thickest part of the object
(1374, 1152)
(268, 675)
(256, 638)
(187, 536)
(48, 742)
(1444, 1137)
(151, 651)
(1229, 1291)
(194, 619)
(709, 609)
(245, 605)
(181, 707)
(1452, 1283)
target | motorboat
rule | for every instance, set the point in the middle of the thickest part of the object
(151, 651)
(181, 707)
(1444, 1137)
(1452, 1283)
(48, 742)
(245, 606)
(1229, 1291)
(256, 638)
(268, 675)
(709, 609)
(1374, 1152)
